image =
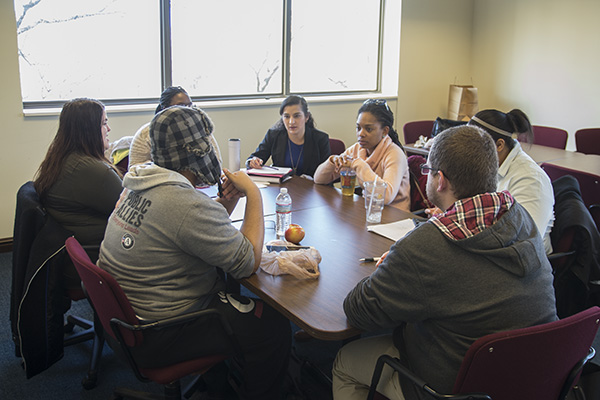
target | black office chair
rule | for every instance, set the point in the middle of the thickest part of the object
(38, 298)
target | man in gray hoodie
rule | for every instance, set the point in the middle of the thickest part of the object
(168, 245)
(477, 268)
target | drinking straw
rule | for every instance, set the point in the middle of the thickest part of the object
(372, 193)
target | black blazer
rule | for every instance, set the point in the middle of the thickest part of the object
(274, 145)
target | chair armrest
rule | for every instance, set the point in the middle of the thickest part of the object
(575, 373)
(554, 256)
(414, 379)
(211, 313)
(177, 320)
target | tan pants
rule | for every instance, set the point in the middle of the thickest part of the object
(354, 366)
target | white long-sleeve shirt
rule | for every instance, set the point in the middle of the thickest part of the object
(531, 187)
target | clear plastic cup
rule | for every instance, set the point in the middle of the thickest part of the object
(374, 194)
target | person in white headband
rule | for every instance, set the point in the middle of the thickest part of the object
(519, 173)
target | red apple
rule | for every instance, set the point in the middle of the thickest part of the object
(294, 234)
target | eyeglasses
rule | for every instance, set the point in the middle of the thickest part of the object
(426, 169)
(377, 102)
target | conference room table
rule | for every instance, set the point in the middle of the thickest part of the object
(336, 226)
(589, 163)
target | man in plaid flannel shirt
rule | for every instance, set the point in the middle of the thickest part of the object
(478, 267)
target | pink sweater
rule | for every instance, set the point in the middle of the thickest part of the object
(388, 162)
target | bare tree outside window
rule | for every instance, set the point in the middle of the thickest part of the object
(94, 48)
(227, 48)
(335, 49)
(111, 49)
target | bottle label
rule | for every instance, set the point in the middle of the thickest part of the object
(283, 208)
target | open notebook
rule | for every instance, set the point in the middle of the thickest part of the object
(270, 174)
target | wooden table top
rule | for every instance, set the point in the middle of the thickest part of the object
(589, 163)
(336, 226)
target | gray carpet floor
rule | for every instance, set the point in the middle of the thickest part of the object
(63, 379)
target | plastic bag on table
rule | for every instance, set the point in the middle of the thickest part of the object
(303, 263)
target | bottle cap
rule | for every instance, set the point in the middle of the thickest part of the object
(283, 190)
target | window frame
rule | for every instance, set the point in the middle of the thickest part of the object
(382, 90)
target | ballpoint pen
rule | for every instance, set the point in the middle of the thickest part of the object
(370, 259)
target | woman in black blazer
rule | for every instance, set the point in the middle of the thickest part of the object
(293, 141)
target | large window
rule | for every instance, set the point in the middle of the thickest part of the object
(126, 51)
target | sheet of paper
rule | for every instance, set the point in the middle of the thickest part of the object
(240, 208)
(393, 231)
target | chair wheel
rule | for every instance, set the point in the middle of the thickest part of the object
(89, 382)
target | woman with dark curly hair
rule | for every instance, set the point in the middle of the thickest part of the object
(378, 153)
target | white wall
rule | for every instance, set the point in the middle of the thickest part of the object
(538, 55)
(541, 56)
(435, 51)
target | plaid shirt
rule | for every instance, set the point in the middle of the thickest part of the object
(468, 217)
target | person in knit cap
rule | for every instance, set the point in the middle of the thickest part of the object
(140, 148)
(169, 246)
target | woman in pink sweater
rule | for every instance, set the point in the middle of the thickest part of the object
(378, 152)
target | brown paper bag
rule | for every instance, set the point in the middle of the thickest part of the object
(462, 102)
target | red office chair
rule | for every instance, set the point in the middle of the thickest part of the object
(337, 146)
(120, 321)
(589, 183)
(539, 362)
(551, 137)
(412, 130)
(418, 184)
(588, 140)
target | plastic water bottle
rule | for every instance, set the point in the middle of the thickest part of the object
(283, 208)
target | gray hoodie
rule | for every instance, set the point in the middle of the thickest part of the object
(165, 240)
(451, 292)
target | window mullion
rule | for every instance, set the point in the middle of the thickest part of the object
(165, 44)
(287, 44)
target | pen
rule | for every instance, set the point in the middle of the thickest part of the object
(220, 187)
(370, 259)
(268, 166)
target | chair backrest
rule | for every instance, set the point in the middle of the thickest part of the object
(529, 363)
(589, 183)
(588, 140)
(595, 211)
(576, 275)
(412, 130)
(337, 146)
(549, 136)
(106, 295)
(418, 184)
